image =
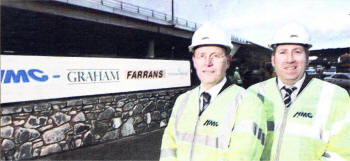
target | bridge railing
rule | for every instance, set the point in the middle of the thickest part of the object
(127, 7)
(149, 13)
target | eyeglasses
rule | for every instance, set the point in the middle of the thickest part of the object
(213, 57)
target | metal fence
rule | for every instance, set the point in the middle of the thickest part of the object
(149, 13)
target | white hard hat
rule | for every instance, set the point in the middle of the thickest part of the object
(210, 34)
(291, 33)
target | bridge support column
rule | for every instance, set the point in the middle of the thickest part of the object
(150, 51)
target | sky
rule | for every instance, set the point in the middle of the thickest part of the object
(328, 21)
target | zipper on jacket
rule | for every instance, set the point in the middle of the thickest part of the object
(198, 119)
(284, 122)
(194, 138)
(282, 129)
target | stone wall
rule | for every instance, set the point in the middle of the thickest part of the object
(34, 129)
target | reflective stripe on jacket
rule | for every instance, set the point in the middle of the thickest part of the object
(222, 132)
(315, 127)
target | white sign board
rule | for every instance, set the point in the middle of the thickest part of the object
(25, 78)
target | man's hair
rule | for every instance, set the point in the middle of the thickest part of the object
(226, 49)
(306, 49)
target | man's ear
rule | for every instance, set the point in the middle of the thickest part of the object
(229, 59)
(273, 60)
(194, 62)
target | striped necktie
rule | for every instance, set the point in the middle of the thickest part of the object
(206, 100)
(287, 97)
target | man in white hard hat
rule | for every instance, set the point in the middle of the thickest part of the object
(308, 119)
(216, 120)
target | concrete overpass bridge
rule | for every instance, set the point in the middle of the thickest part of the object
(75, 27)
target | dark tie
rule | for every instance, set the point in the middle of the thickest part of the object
(287, 97)
(206, 100)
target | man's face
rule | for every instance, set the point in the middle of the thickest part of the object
(289, 61)
(211, 64)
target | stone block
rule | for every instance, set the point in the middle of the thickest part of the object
(53, 148)
(44, 128)
(88, 107)
(163, 93)
(118, 98)
(160, 105)
(163, 123)
(128, 106)
(25, 151)
(99, 127)
(42, 107)
(34, 122)
(155, 116)
(90, 101)
(151, 106)
(89, 139)
(143, 101)
(107, 114)
(125, 115)
(128, 127)
(7, 144)
(73, 112)
(57, 134)
(60, 118)
(117, 122)
(138, 119)
(11, 110)
(6, 132)
(111, 135)
(131, 97)
(38, 144)
(36, 152)
(148, 95)
(91, 116)
(8, 155)
(80, 117)
(138, 109)
(78, 143)
(23, 135)
(106, 99)
(59, 104)
(66, 109)
(139, 95)
(18, 122)
(164, 115)
(5, 120)
(81, 128)
(148, 118)
(118, 114)
(120, 104)
(76, 102)
(28, 108)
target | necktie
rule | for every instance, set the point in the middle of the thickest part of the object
(287, 97)
(206, 100)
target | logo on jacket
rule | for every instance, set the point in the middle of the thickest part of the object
(303, 114)
(211, 123)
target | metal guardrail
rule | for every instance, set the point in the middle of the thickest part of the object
(127, 7)
(149, 13)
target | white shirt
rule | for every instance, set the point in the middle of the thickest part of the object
(213, 91)
(298, 84)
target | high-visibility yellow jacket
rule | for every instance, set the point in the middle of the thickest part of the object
(221, 132)
(315, 127)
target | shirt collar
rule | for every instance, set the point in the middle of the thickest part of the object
(297, 84)
(214, 91)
